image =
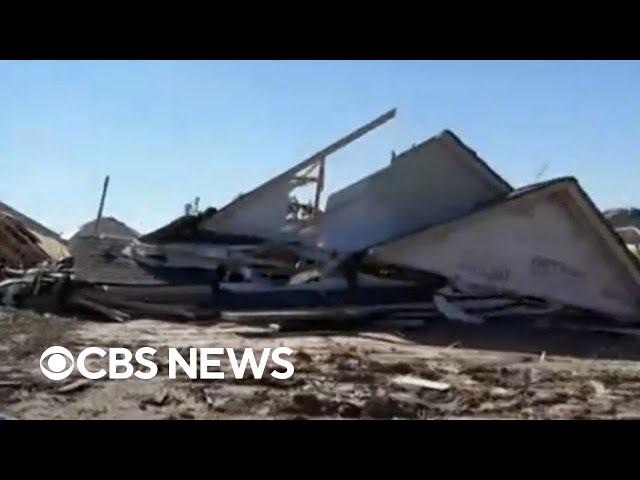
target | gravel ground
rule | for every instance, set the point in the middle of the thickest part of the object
(444, 371)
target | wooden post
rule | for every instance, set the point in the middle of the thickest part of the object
(319, 187)
(104, 195)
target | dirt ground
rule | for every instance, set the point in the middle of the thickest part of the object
(482, 372)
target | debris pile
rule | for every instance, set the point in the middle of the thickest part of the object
(53, 245)
(436, 233)
(18, 246)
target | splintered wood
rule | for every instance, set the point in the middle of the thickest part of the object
(19, 248)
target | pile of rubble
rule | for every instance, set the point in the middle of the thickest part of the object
(436, 233)
(18, 246)
(29, 253)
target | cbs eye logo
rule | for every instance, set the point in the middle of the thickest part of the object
(55, 367)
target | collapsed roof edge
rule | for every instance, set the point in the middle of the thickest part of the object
(514, 194)
(602, 233)
(446, 134)
(31, 223)
(517, 193)
(464, 146)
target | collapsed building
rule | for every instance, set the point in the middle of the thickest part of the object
(26, 247)
(55, 248)
(25, 243)
(19, 247)
(436, 232)
(545, 240)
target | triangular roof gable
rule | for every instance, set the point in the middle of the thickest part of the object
(547, 240)
(430, 183)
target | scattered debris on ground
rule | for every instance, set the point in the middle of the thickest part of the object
(350, 375)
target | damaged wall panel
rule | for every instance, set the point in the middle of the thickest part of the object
(430, 183)
(547, 241)
(263, 214)
(263, 211)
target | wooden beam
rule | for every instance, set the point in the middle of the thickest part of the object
(104, 195)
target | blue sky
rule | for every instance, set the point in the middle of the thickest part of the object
(169, 131)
